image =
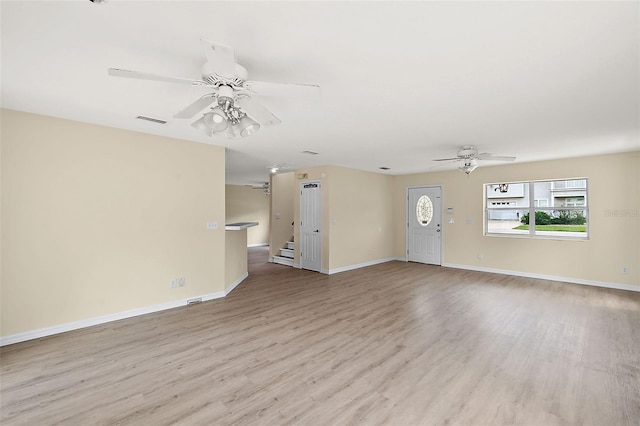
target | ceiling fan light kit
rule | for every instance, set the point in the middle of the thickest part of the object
(248, 126)
(215, 120)
(236, 113)
(469, 166)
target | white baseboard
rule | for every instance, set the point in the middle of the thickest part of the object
(358, 265)
(571, 280)
(258, 245)
(75, 325)
(235, 284)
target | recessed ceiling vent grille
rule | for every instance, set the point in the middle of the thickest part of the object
(309, 152)
(151, 119)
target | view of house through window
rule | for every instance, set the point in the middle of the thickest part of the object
(554, 208)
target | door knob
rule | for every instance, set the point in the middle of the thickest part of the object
(438, 230)
(317, 230)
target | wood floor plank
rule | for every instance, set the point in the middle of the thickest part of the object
(395, 343)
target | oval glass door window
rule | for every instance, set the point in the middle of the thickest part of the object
(424, 210)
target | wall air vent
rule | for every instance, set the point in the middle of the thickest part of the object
(153, 120)
(309, 152)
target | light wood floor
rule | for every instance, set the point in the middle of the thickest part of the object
(392, 344)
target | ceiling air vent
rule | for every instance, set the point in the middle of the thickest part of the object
(310, 152)
(153, 120)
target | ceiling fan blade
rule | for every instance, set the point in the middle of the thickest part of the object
(199, 124)
(196, 107)
(486, 156)
(256, 111)
(117, 72)
(448, 159)
(221, 58)
(263, 88)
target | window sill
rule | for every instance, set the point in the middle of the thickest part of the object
(536, 237)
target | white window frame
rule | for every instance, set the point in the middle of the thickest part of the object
(533, 207)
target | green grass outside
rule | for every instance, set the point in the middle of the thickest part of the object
(559, 228)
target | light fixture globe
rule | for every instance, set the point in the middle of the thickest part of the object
(247, 126)
(231, 132)
(216, 120)
(469, 166)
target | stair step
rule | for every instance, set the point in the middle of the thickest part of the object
(283, 260)
(287, 253)
(290, 245)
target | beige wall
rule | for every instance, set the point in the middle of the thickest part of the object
(614, 237)
(282, 192)
(360, 217)
(97, 221)
(244, 204)
(236, 257)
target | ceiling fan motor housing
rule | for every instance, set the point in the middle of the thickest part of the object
(467, 152)
(211, 77)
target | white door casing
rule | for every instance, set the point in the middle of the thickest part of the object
(310, 226)
(424, 225)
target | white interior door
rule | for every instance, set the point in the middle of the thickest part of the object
(424, 225)
(310, 226)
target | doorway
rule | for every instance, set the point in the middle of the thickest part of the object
(311, 226)
(424, 225)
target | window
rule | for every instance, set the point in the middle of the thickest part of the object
(559, 209)
(424, 210)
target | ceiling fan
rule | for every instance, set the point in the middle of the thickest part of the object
(265, 187)
(236, 112)
(469, 154)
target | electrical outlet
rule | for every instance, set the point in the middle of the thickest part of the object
(625, 270)
(173, 283)
(181, 282)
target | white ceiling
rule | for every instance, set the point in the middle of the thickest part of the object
(402, 83)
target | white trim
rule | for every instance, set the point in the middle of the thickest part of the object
(75, 325)
(235, 284)
(571, 280)
(358, 265)
(257, 245)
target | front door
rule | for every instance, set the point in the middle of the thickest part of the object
(424, 226)
(310, 226)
